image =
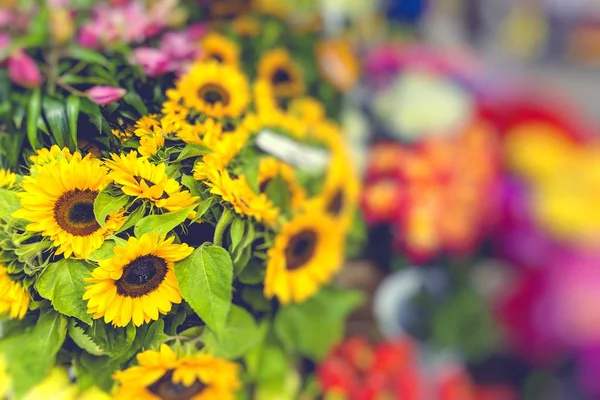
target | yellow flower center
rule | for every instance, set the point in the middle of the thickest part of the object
(142, 276)
(300, 249)
(74, 212)
(166, 389)
(213, 94)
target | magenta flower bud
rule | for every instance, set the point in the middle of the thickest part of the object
(104, 95)
(155, 62)
(88, 37)
(23, 71)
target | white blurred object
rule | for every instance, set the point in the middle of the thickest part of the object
(419, 103)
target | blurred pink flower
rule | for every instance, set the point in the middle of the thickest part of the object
(23, 70)
(123, 21)
(154, 61)
(6, 17)
(197, 31)
(104, 95)
(177, 45)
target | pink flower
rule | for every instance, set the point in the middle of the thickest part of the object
(88, 37)
(197, 31)
(23, 71)
(104, 95)
(155, 62)
(177, 45)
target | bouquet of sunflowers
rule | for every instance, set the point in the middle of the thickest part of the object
(167, 230)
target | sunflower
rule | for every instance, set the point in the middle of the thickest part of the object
(207, 133)
(140, 178)
(217, 48)
(172, 108)
(246, 26)
(123, 135)
(14, 298)
(163, 375)
(49, 156)
(269, 168)
(338, 64)
(277, 68)
(214, 89)
(58, 199)
(264, 97)
(56, 383)
(7, 178)
(306, 254)
(307, 109)
(152, 131)
(238, 193)
(138, 282)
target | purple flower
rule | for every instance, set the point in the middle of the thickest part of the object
(154, 62)
(104, 95)
(23, 70)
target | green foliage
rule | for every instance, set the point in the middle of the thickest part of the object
(239, 335)
(9, 203)
(63, 283)
(32, 354)
(83, 340)
(163, 223)
(314, 326)
(205, 279)
(107, 203)
(34, 112)
(193, 150)
(95, 371)
(105, 251)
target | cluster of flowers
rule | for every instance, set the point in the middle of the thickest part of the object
(151, 260)
(359, 370)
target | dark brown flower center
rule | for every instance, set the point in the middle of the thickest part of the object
(300, 249)
(141, 276)
(74, 212)
(264, 185)
(216, 57)
(281, 76)
(213, 94)
(336, 204)
(166, 389)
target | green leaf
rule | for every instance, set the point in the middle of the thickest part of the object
(133, 218)
(92, 110)
(192, 184)
(34, 112)
(134, 100)
(193, 150)
(105, 251)
(312, 327)
(240, 335)
(115, 342)
(87, 55)
(279, 192)
(9, 203)
(205, 279)
(163, 223)
(241, 259)
(56, 115)
(32, 354)
(106, 204)
(63, 284)
(82, 339)
(73, 116)
(252, 274)
(97, 371)
(205, 206)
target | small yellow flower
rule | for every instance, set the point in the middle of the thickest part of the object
(14, 298)
(7, 178)
(217, 48)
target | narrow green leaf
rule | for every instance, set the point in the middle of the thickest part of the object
(87, 55)
(133, 218)
(192, 184)
(63, 283)
(34, 111)
(240, 335)
(73, 116)
(134, 100)
(205, 206)
(161, 224)
(106, 204)
(56, 115)
(92, 110)
(193, 150)
(312, 327)
(205, 280)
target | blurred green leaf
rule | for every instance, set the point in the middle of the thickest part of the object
(87, 55)
(56, 115)
(240, 335)
(73, 116)
(33, 114)
(134, 100)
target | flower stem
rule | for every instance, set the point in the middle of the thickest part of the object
(223, 223)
